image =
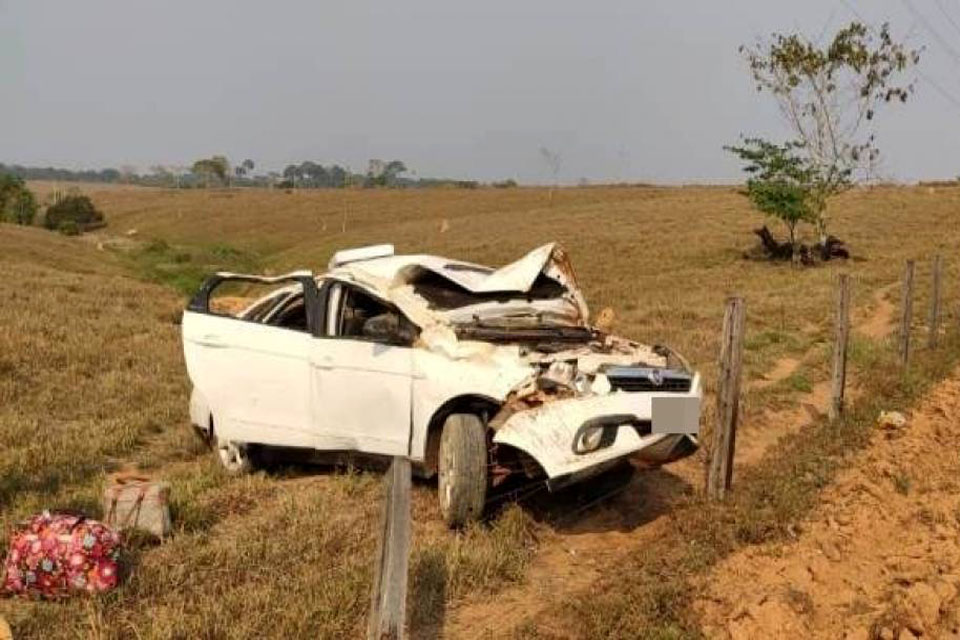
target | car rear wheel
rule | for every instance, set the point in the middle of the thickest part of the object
(462, 469)
(235, 457)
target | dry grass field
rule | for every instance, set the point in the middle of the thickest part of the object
(92, 379)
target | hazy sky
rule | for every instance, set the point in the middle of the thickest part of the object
(622, 90)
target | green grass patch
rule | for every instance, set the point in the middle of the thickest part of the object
(763, 340)
(185, 268)
(799, 381)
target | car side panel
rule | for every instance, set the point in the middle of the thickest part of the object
(362, 395)
(439, 379)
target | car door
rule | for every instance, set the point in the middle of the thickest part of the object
(363, 377)
(255, 373)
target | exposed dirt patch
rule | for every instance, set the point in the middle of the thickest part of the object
(879, 558)
(878, 322)
(755, 438)
(579, 547)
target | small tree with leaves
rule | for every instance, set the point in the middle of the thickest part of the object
(213, 167)
(781, 183)
(829, 96)
(17, 203)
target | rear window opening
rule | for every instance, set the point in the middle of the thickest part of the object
(277, 305)
(363, 317)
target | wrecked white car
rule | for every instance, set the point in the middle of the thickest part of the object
(473, 373)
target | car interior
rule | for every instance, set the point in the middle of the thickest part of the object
(292, 314)
(363, 316)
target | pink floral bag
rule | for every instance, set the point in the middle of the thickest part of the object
(55, 555)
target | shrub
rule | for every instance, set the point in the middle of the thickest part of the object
(69, 228)
(17, 203)
(77, 209)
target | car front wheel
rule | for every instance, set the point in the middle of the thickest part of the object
(235, 457)
(462, 469)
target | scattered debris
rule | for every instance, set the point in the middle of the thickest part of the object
(133, 501)
(54, 555)
(833, 247)
(891, 420)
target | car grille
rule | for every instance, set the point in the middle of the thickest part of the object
(644, 379)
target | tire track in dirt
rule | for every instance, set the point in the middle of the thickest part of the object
(879, 323)
(879, 558)
(570, 559)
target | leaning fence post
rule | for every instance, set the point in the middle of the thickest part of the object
(388, 602)
(720, 463)
(934, 337)
(906, 313)
(841, 336)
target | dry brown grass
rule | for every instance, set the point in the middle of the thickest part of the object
(91, 377)
(662, 258)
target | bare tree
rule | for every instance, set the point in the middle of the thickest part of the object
(554, 162)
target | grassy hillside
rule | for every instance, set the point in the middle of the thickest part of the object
(91, 378)
(663, 258)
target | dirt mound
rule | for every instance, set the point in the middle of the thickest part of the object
(880, 558)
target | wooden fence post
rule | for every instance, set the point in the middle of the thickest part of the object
(389, 600)
(841, 336)
(720, 463)
(934, 338)
(906, 313)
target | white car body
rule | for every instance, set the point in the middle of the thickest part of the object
(512, 344)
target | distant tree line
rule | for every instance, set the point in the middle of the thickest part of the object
(217, 171)
(61, 175)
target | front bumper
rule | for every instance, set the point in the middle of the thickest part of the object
(666, 448)
(547, 433)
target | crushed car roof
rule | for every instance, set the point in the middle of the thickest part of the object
(395, 270)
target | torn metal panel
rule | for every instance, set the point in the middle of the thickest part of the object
(395, 275)
(548, 433)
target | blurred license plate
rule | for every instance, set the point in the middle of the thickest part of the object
(676, 415)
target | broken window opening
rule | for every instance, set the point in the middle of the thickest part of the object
(364, 317)
(444, 295)
(292, 314)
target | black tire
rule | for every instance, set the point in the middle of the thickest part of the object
(462, 469)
